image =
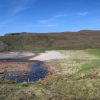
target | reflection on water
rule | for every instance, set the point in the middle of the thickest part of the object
(38, 71)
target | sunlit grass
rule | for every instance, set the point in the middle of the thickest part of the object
(95, 52)
(88, 65)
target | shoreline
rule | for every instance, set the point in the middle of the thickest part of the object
(22, 65)
(51, 73)
(19, 66)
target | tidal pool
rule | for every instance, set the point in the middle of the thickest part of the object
(38, 71)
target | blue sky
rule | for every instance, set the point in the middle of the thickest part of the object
(49, 15)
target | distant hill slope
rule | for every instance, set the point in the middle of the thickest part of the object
(83, 39)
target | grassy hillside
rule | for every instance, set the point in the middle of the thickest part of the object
(65, 40)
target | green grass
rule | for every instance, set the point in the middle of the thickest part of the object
(88, 65)
(58, 89)
(95, 52)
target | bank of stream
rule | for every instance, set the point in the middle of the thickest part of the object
(37, 71)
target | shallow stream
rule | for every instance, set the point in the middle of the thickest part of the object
(38, 71)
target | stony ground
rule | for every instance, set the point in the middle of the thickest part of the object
(76, 77)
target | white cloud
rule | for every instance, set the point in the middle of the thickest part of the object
(57, 19)
(52, 25)
(83, 13)
(42, 25)
(51, 22)
(5, 23)
(14, 8)
(60, 15)
(21, 5)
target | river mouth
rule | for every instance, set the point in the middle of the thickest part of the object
(37, 71)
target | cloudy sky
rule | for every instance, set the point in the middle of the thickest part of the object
(49, 15)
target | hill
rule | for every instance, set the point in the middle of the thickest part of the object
(83, 39)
